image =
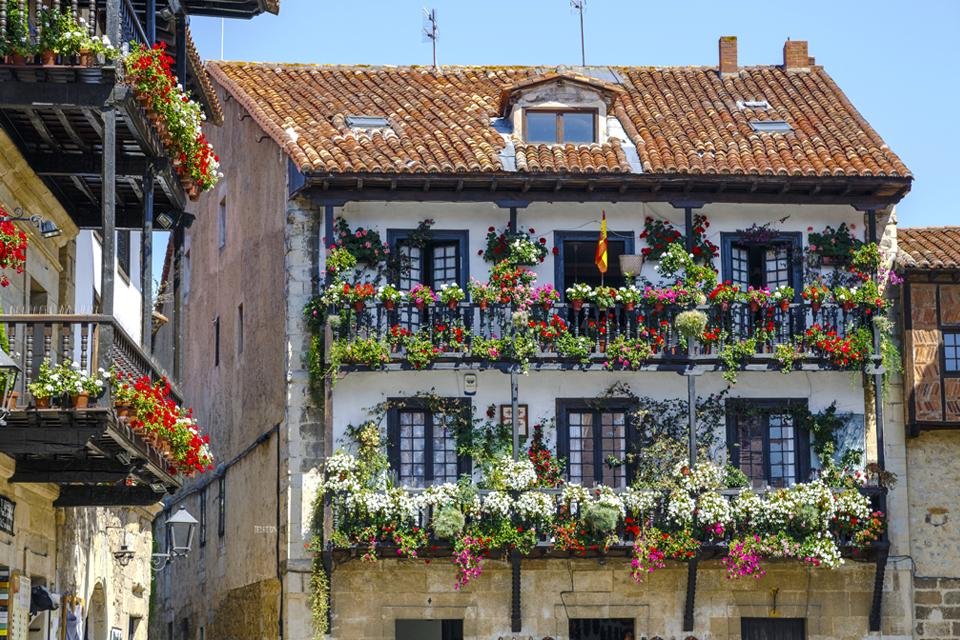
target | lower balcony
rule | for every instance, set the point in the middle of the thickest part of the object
(81, 442)
(730, 337)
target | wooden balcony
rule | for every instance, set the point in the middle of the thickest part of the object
(94, 455)
(734, 323)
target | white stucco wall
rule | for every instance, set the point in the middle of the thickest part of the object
(127, 298)
(546, 218)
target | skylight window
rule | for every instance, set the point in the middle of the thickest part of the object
(771, 126)
(753, 104)
(367, 122)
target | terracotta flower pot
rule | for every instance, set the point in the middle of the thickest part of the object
(48, 58)
(452, 304)
(483, 305)
(849, 306)
(815, 306)
(358, 306)
(80, 400)
(754, 306)
(546, 304)
(577, 305)
(18, 59)
(388, 305)
(659, 307)
(123, 410)
(42, 403)
(194, 192)
(12, 400)
(630, 306)
(419, 305)
(87, 58)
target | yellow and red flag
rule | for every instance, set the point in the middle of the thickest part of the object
(601, 257)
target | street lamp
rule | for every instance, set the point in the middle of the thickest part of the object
(47, 228)
(180, 528)
(9, 370)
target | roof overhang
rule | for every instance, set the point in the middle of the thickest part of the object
(231, 8)
(476, 187)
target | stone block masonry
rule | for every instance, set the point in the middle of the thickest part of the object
(937, 608)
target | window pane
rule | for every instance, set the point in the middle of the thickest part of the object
(578, 127)
(777, 261)
(613, 442)
(444, 449)
(951, 349)
(581, 447)
(412, 426)
(445, 269)
(750, 437)
(579, 265)
(782, 451)
(541, 127)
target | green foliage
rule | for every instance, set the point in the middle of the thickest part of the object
(600, 519)
(628, 353)
(736, 479)
(363, 244)
(734, 355)
(574, 347)
(835, 243)
(18, 31)
(691, 325)
(370, 352)
(866, 257)
(448, 522)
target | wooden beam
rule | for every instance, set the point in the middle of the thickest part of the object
(27, 95)
(71, 132)
(106, 496)
(84, 164)
(37, 122)
(108, 204)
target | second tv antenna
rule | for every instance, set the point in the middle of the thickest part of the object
(430, 31)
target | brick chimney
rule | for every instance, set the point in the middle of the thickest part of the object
(728, 55)
(795, 57)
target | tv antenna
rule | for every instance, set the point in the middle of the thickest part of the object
(578, 6)
(430, 30)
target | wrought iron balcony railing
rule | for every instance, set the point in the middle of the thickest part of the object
(727, 325)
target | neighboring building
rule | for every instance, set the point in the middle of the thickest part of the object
(79, 488)
(472, 148)
(930, 260)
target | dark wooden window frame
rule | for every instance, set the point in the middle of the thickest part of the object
(558, 113)
(123, 254)
(801, 437)
(946, 330)
(464, 463)
(222, 506)
(561, 237)
(439, 236)
(793, 239)
(203, 517)
(596, 405)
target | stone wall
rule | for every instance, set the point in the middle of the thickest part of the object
(938, 607)
(252, 611)
(368, 598)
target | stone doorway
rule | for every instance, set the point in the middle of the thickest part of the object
(601, 629)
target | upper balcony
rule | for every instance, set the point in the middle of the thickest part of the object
(92, 448)
(638, 337)
(76, 120)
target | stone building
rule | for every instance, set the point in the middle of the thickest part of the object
(930, 259)
(430, 166)
(84, 173)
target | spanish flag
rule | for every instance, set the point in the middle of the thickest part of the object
(601, 257)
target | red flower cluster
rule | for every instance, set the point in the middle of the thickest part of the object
(844, 352)
(158, 418)
(549, 331)
(659, 234)
(549, 469)
(150, 73)
(13, 247)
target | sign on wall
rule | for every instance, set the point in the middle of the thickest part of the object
(6, 514)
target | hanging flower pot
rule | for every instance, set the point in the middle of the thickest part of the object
(80, 400)
(754, 306)
(815, 307)
(388, 305)
(546, 304)
(483, 305)
(849, 306)
(419, 304)
(358, 306)
(577, 305)
(452, 304)
(784, 305)
(659, 307)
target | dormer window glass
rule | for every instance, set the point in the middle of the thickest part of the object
(553, 126)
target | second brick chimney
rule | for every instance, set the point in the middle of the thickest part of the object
(795, 57)
(728, 55)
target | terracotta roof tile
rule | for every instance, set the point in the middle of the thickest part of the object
(203, 80)
(929, 247)
(682, 120)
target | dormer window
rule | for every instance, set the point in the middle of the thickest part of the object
(560, 126)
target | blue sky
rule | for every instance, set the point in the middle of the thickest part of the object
(896, 60)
